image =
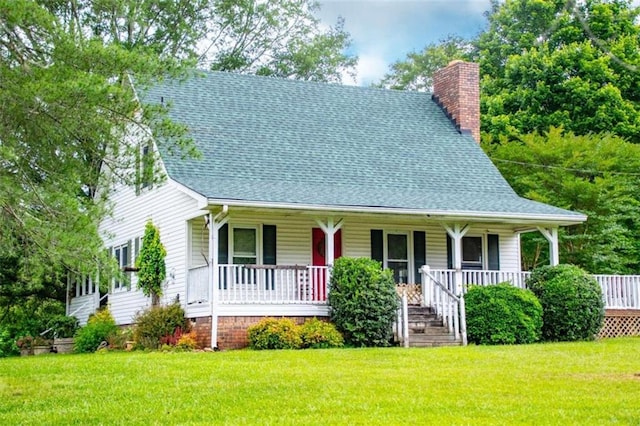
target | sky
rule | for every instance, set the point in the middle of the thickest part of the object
(385, 31)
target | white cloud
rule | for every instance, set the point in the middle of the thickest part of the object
(384, 31)
(371, 67)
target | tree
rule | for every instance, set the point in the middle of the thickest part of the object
(593, 174)
(66, 104)
(416, 71)
(277, 37)
(150, 263)
(556, 63)
(546, 63)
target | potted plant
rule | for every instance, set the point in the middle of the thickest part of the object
(63, 328)
(25, 344)
(41, 345)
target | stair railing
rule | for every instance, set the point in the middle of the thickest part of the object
(446, 304)
(401, 324)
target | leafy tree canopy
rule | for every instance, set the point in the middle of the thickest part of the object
(414, 73)
(595, 174)
(66, 104)
(559, 63)
(546, 63)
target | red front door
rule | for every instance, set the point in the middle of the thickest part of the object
(318, 258)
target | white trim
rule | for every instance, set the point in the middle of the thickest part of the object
(273, 310)
(441, 215)
(202, 200)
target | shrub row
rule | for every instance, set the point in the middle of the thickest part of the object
(563, 303)
(284, 333)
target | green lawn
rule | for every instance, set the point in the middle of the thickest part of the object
(570, 383)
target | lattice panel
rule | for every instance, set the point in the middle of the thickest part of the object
(413, 292)
(618, 326)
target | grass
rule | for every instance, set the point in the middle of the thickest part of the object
(567, 383)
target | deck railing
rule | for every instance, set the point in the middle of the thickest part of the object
(618, 291)
(261, 284)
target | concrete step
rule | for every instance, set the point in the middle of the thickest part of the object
(421, 341)
(429, 331)
(433, 344)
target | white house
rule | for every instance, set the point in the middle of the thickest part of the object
(294, 174)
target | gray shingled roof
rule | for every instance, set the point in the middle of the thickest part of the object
(282, 141)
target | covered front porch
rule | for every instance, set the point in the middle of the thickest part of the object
(308, 285)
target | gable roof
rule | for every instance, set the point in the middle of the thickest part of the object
(285, 142)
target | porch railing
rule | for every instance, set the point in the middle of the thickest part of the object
(618, 291)
(276, 284)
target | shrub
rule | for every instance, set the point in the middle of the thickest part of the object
(272, 333)
(101, 327)
(63, 326)
(502, 314)
(320, 334)
(572, 304)
(363, 301)
(187, 342)
(7, 344)
(158, 325)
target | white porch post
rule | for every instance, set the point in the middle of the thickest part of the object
(215, 223)
(329, 229)
(551, 234)
(456, 233)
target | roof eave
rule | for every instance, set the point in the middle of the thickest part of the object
(441, 215)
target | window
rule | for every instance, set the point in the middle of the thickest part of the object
(398, 257)
(121, 253)
(478, 252)
(471, 252)
(146, 167)
(245, 247)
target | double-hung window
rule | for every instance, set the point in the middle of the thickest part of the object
(472, 253)
(245, 246)
(397, 256)
(122, 255)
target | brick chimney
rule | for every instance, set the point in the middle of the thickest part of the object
(456, 88)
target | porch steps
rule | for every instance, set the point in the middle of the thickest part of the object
(426, 330)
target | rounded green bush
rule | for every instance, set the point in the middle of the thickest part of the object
(502, 314)
(572, 303)
(320, 334)
(100, 328)
(272, 333)
(363, 301)
(158, 325)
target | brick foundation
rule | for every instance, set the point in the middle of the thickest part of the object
(202, 327)
(232, 331)
(620, 322)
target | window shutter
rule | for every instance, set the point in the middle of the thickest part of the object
(493, 246)
(419, 253)
(377, 245)
(449, 252)
(128, 263)
(269, 244)
(223, 245)
(136, 250)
